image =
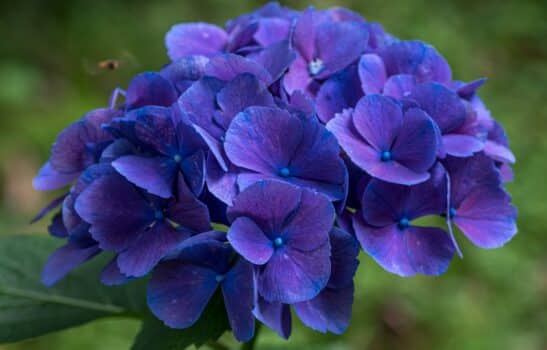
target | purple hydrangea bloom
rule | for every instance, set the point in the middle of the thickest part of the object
(303, 136)
(389, 144)
(287, 240)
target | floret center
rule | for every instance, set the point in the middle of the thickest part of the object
(403, 223)
(158, 214)
(177, 158)
(284, 172)
(315, 66)
(278, 242)
(386, 156)
(452, 212)
(219, 278)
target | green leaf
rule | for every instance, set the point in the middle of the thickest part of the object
(29, 309)
(211, 325)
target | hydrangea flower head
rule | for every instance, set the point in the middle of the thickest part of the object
(301, 137)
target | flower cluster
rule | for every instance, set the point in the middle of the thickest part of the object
(260, 158)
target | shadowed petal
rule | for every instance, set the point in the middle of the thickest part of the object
(238, 291)
(188, 211)
(329, 311)
(111, 274)
(49, 179)
(150, 89)
(339, 92)
(277, 316)
(178, 292)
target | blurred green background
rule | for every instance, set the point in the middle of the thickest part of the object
(489, 300)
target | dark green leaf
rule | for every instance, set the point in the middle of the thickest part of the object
(155, 335)
(29, 309)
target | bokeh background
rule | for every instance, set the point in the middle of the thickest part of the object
(489, 300)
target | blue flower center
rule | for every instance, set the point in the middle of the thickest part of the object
(452, 212)
(219, 278)
(177, 158)
(315, 66)
(386, 156)
(278, 242)
(284, 172)
(158, 214)
(403, 223)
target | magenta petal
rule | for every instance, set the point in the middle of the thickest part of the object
(462, 145)
(238, 291)
(156, 175)
(297, 78)
(249, 241)
(414, 250)
(487, 217)
(148, 248)
(178, 292)
(292, 276)
(378, 119)
(372, 73)
(194, 39)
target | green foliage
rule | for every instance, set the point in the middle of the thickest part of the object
(29, 309)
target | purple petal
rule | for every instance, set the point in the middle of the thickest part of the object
(238, 291)
(64, 260)
(418, 59)
(282, 199)
(277, 316)
(178, 292)
(150, 89)
(276, 58)
(222, 184)
(298, 77)
(344, 251)
(292, 276)
(249, 241)
(154, 127)
(487, 217)
(339, 92)
(115, 210)
(69, 153)
(193, 168)
(372, 74)
(148, 248)
(227, 66)
(57, 227)
(263, 139)
(54, 204)
(467, 90)
(329, 311)
(309, 226)
(156, 175)
(111, 274)
(399, 86)
(378, 119)
(187, 211)
(414, 250)
(242, 92)
(304, 35)
(462, 145)
(497, 151)
(272, 30)
(194, 39)
(416, 143)
(442, 104)
(49, 179)
(339, 45)
(184, 71)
